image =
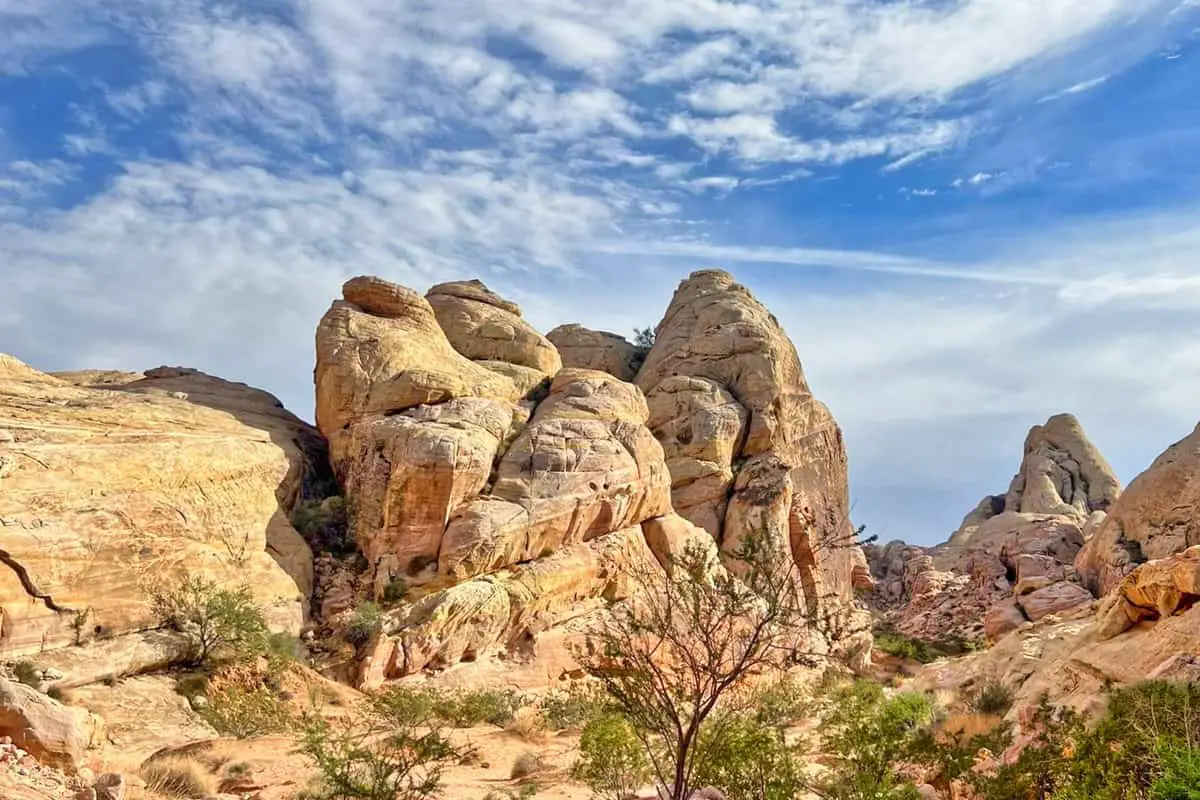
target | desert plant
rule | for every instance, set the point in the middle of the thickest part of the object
(220, 623)
(459, 709)
(747, 759)
(866, 735)
(324, 524)
(573, 708)
(613, 763)
(693, 640)
(528, 723)
(178, 776)
(395, 591)
(363, 624)
(78, 624)
(643, 338)
(25, 672)
(244, 713)
(993, 697)
(527, 764)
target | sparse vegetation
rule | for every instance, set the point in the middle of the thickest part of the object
(324, 524)
(246, 712)
(894, 643)
(178, 776)
(459, 709)
(528, 723)
(992, 697)
(79, 623)
(25, 672)
(220, 623)
(396, 591)
(573, 708)
(613, 763)
(527, 764)
(363, 624)
(748, 759)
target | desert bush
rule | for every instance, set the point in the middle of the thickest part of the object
(747, 759)
(381, 755)
(25, 672)
(325, 525)
(528, 723)
(890, 641)
(178, 776)
(220, 623)
(993, 697)
(246, 712)
(866, 735)
(574, 708)
(363, 624)
(524, 793)
(459, 709)
(613, 763)
(395, 592)
(527, 764)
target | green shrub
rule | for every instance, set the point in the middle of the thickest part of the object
(1180, 776)
(283, 649)
(573, 709)
(25, 672)
(219, 623)
(747, 760)
(395, 592)
(325, 525)
(892, 642)
(192, 684)
(245, 713)
(782, 704)
(178, 776)
(613, 761)
(363, 624)
(527, 764)
(993, 697)
(459, 709)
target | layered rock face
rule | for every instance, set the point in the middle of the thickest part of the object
(1157, 516)
(523, 503)
(1012, 559)
(749, 447)
(111, 483)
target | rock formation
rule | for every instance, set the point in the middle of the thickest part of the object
(1012, 559)
(113, 482)
(53, 733)
(1157, 516)
(515, 506)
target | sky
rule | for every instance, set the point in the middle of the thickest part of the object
(969, 215)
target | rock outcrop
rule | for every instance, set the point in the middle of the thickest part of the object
(748, 446)
(111, 483)
(511, 510)
(1012, 560)
(583, 348)
(53, 733)
(1155, 590)
(1157, 516)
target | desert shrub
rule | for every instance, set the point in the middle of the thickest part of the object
(866, 736)
(527, 764)
(528, 723)
(219, 623)
(1179, 778)
(178, 776)
(381, 755)
(890, 641)
(284, 649)
(244, 713)
(459, 709)
(59, 694)
(363, 624)
(524, 793)
(747, 759)
(613, 763)
(993, 697)
(25, 672)
(324, 524)
(395, 592)
(192, 684)
(783, 703)
(574, 708)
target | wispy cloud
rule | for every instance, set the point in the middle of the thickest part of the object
(1078, 88)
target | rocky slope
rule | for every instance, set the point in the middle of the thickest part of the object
(112, 483)
(512, 499)
(1013, 558)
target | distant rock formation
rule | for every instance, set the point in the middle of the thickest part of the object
(515, 497)
(1012, 559)
(113, 482)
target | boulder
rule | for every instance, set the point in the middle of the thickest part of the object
(1062, 473)
(1157, 516)
(1054, 599)
(1155, 590)
(484, 327)
(583, 348)
(52, 733)
(112, 488)
(1002, 619)
(387, 356)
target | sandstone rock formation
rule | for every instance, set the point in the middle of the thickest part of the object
(584, 348)
(53, 733)
(1155, 590)
(113, 482)
(748, 445)
(1157, 516)
(511, 511)
(1012, 559)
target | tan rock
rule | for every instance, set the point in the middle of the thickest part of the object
(407, 473)
(1055, 599)
(483, 326)
(582, 348)
(1037, 571)
(1002, 619)
(529, 381)
(1157, 516)
(370, 363)
(670, 537)
(1062, 473)
(701, 428)
(106, 492)
(1155, 590)
(585, 465)
(52, 733)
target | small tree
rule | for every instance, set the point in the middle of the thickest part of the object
(670, 658)
(613, 764)
(386, 753)
(643, 338)
(219, 622)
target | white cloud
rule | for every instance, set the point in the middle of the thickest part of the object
(1077, 88)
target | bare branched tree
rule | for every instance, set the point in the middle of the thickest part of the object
(697, 633)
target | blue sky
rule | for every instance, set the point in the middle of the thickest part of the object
(969, 214)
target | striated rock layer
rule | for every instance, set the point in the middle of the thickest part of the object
(514, 504)
(111, 483)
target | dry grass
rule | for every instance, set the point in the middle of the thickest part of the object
(179, 776)
(969, 725)
(528, 764)
(530, 724)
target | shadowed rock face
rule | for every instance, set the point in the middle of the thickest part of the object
(113, 482)
(524, 502)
